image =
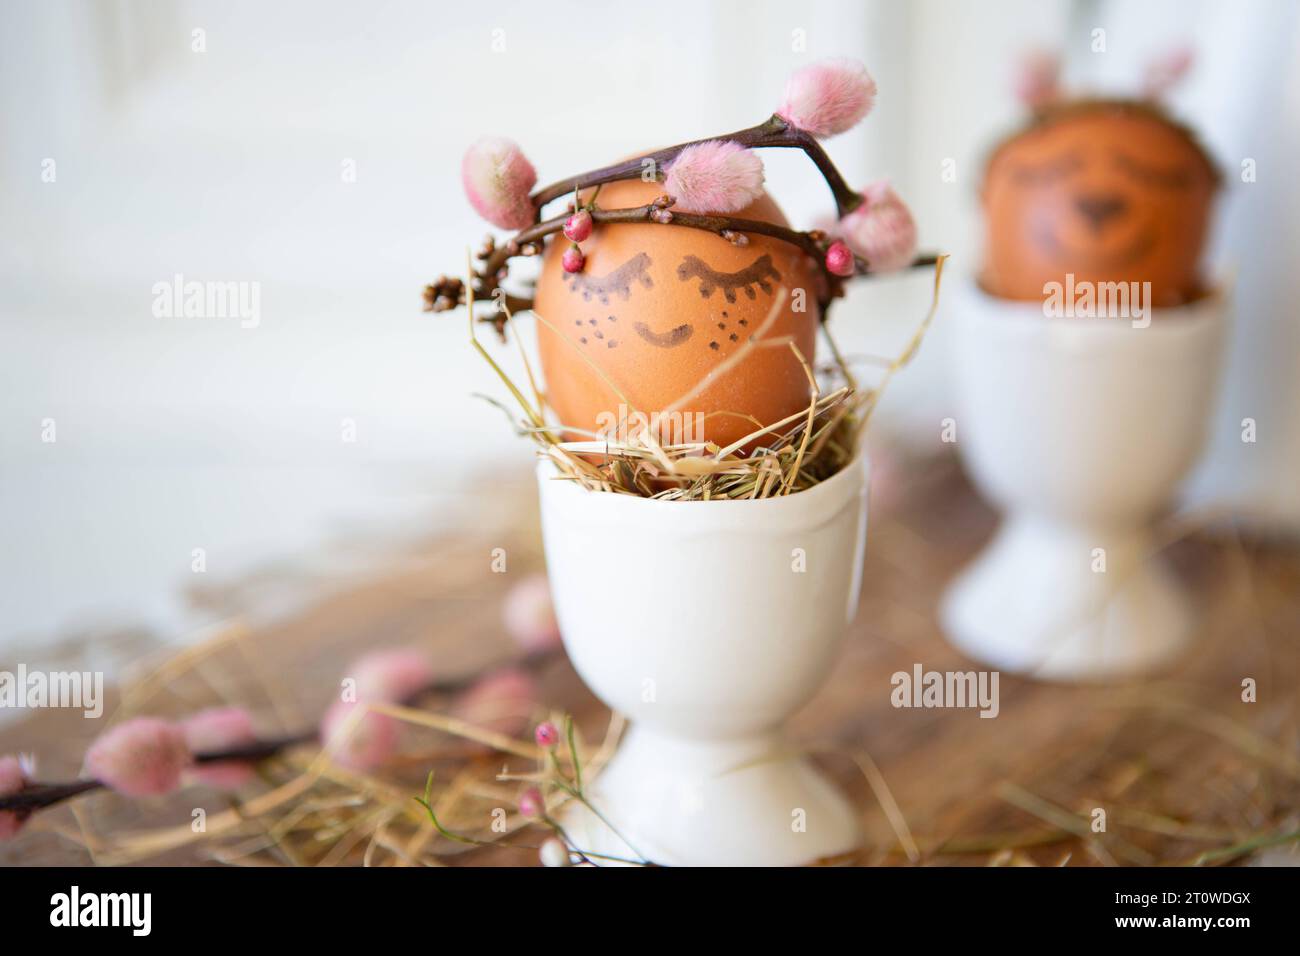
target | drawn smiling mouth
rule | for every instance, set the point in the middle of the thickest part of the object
(664, 340)
(1135, 250)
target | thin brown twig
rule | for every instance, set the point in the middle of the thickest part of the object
(484, 285)
(773, 132)
(37, 795)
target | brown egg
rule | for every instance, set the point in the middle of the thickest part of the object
(1111, 191)
(657, 308)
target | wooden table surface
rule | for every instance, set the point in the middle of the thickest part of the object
(1181, 764)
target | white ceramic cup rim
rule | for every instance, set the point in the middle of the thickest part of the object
(802, 508)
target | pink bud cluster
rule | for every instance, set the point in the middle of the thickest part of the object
(498, 177)
(719, 176)
(15, 775)
(1038, 79)
(1167, 71)
(723, 176)
(828, 98)
(362, 739)
(532, 803)
(150, 757)
(881, 230)
(502, 701)
(577, 228)
(529, 615)
(217, 729)
(142, 757)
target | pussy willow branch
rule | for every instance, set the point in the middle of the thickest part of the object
(448, 293)
(37, 796)
(659, 212)
(774, 132)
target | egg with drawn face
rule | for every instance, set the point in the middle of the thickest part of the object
(1109, 191)
(657, 323)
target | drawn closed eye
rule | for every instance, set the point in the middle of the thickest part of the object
(1151, 175)
(1038, 174)
(618, 282)
(758, 273)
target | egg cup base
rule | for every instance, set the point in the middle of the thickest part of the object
(745, 802)
(1034, 603)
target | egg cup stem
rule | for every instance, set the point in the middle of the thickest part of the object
(1080, 430)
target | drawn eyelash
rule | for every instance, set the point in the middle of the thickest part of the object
(619, 281)
(1171, 179)
(756, 274)
(1048, 171)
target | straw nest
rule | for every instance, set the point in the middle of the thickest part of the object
(784, 457)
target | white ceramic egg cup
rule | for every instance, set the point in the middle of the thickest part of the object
(694, 620)
(1079, 429)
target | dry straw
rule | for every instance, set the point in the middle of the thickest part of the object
(784, 457)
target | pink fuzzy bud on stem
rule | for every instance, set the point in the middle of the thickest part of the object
(363, 739)
(391, 675)
(1166, 72)
(144, 757)
(14, 778)
(220, 728)
(530, 616)
(578, 226)
(573, 260)
(358, 738)
(717, 176)
(503, 702)
(881, 230)
(498, 178)
(828, 98)
(839, 259)
(1037, 81)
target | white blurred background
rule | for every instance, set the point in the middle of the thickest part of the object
(228, 164)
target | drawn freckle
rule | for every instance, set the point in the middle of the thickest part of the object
(591, 321)
(611, 344)
(715, 346)
(610, 318)
(722, 325)
(599, 334)
(742, 321)
(733, 336)
(583, 340)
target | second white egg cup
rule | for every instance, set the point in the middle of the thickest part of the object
(707, 623)
(1080, 430)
